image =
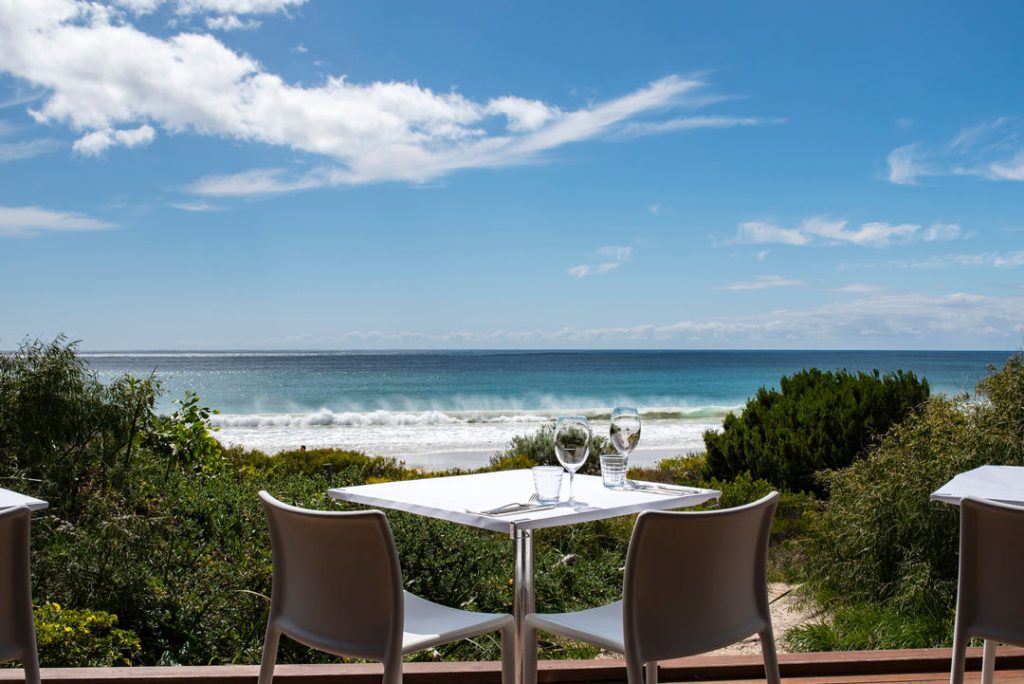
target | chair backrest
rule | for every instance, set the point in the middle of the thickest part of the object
(16, 628)
(337, 581)
(990, 598)
(696, 581)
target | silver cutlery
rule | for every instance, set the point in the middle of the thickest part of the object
(533, 504)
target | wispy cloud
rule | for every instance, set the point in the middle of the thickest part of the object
(354, 132)
(821, 230)
(612, 255)
(993, 150)
(23, 221)
(897, 321)
(982, 259)
(764, 282)
(615, 255)
(26, 149)
(584, 270)
(685, 123)
(196, 206)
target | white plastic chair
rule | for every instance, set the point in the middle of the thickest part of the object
(17, 629)
(337, 587)
(694, 582)
(990, 595)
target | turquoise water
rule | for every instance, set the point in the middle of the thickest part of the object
(448, 407)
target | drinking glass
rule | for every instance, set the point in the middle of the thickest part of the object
(572, 442)
(624, 433)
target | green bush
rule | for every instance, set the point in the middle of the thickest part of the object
(81, 638)
(817, 421)
(538, 448)
(880, 547)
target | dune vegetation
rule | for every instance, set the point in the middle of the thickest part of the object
(154, 549)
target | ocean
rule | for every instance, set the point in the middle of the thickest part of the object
(438, 409)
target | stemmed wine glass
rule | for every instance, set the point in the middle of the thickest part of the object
(624, 433)
(572, 442)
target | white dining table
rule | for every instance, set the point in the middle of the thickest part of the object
(460, 499)
(10, 499)
(995, 483)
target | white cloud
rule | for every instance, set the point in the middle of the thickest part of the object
(259, 182)
(369, 132)
(693, 122)
(860, 288)
(942, 231)
(26, 149)
(231, 22)
(617, 253)
(764, 282)
(869, 234)
(905, 166)
(18, 221)
(96, 143)
(758, 232)
(224, 7)
(584, 270)
(1012, 169)
(993, 150)
(892, 321)
(195, 206)
(874, 234)
(656, 209)
(236, 6)
(522, 115)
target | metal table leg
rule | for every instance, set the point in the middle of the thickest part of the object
(524, 600)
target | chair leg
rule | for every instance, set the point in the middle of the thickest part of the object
(634, 670)
(273, 635)
(651, 672)
(508, 654)
(770, 655)
(988, 662)
(956, 669)
(31, 665)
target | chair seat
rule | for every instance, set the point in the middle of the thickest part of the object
(600, 626)
(431, 624)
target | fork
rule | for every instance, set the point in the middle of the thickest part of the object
(533, 504)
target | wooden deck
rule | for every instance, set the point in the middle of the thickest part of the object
(923, 666)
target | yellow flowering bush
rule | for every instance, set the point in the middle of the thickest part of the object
(82, 638)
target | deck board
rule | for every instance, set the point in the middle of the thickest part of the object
(917, 666)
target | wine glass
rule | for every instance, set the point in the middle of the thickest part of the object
(625, 429)
(572, 442)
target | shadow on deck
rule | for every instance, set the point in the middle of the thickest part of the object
(918, 665)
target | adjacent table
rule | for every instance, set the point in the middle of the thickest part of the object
(455, 498)
(9, 499)
(996, 483)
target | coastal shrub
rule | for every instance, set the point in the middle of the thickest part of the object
(539, 448)
(880, 547)
(62, 432)
(817, 420)
(82, 638)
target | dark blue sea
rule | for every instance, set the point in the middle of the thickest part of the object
(441, 408)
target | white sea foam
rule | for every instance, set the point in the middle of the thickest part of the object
(441, 439)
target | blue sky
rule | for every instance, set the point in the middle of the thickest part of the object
(283, 174)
